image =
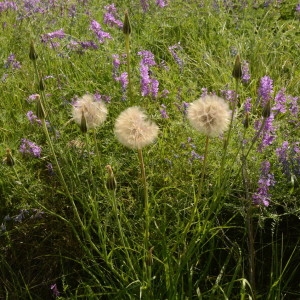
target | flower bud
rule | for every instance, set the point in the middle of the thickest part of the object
(111, 182)
(237, 69)
(83, 126)
(9, 159)
(32, 54)
(126, 25)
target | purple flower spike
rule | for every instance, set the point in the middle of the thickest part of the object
(280, 100)
(31, 148)
(265, 90)
(266, 180)
(110, 16)
(101, 35)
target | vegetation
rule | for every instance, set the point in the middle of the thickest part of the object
(95, 204)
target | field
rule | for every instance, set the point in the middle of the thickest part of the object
(150, 149)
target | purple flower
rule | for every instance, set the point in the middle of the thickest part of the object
(266, 180)
(154, 87)
(265, 90)
(104, 98)
(161, 3)
(149, 85)
(145, 5)
(247, 105)
(163, 112)
(88, 45)
(147, 58)
(6, 5)
(297, 8)
(101, 35)
(185, 106)
(204, 92)
(280, 100)
(267, 134)
(293, 105)
(196, 156)
(245, 72)
(110, 16)
(123, 79)
(29, 147)
(32, 98)
(173, 50)
(229, 95)
(12, 62)
(59, 34)
(55, 291)
(33, 118)
(282, 154)
(165, 93)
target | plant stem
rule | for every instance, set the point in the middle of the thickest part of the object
(127, 48)
(146, 264)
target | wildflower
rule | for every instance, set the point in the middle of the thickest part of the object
(145, 5)
(161, 3)
(282, 154)
(247, 105)
(245, 72)
(267, 132)
(33, 118)
(149, 85)
(209, 115)
(123, 79)
(110, 16)
(229, 95)
(173, 50)
(6, 5)
(33, 98)
(265, 90)
(147, 58)
(88, 45)
(133, 130)
(31, 148)
(12, 62)
(266, 180)
(59, 34)
(101, 35)
(93, 112)
(293, 105)
(54, 289)
(280, 100)
(163, 112)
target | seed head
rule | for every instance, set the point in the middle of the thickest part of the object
(133, 130)
(209, 115)
(89, 113)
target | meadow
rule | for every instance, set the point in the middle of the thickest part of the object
(150, 149)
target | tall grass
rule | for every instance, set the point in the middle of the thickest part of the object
(182, 223)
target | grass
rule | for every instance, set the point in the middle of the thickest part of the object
(200, 236)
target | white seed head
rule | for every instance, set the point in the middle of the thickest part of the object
(133, 130)
(209, 115)
(94, 112)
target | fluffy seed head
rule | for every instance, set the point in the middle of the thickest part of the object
(209, 115)
(133, 130)
(93, 112)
